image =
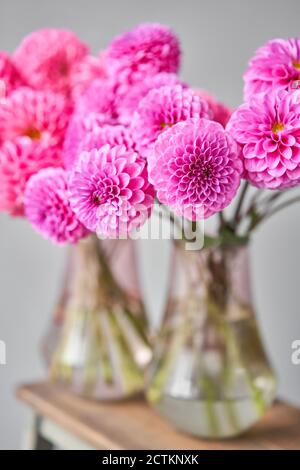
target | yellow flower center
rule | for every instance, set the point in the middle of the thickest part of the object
(296, 65)
(277, 127)
(33, 133)
(164, 125)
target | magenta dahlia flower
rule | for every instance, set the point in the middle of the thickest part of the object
(9, 76)
(268, 128)
(85, 72)
(220, 112)
(129, 102)
(48, 58)
(19, 160)
(195, 168)
(146, 50)
(42, 116)
(162, 108)
(48, 209)
(110, 192)
(276, 65)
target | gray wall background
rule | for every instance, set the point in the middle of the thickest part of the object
(218, 37)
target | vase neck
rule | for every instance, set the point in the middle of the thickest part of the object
(220, 273)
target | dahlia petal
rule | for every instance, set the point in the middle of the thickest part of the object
(124, 179)
(272, 161)
(278, 171)
(286, 152)
(295, 174)
(269, 146)
(256, 164)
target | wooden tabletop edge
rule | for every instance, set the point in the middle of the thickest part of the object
(66, 421)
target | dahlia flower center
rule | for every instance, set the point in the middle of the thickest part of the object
(296, 65)
(33, 133)
(277, 127)
(200, 170)
(165, 125)
(63, 69)
(98, 197)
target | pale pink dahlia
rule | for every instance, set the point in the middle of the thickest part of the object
(109, 190)
(19, 160)
(48, 58)
(42, 116)
(196, 168)
(268, 127)
(48, 209)
(85, 72)
(220, 112)
(145, 50)
(9, 76)
(129, 102)
(162, 108)
(274, 66)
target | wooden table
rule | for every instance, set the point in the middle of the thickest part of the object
(70, 422)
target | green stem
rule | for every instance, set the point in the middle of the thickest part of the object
(105, 273)
(263, 217)
(236, 217)
(222, 222)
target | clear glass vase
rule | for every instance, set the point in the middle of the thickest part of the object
(209, 375)
(50, 340)
(102, 349)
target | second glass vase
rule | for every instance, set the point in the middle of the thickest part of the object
(210, 375)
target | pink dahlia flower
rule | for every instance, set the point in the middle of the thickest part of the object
(42, 116)
(99, 98)
(110, 192)
(9, 75)
(145, 50)
(102, 135)
(48, 58)
(85, 72)
(196, 168)
(129, 102)
(220, 112)
(48, 209)
(19, 160)
(94, 109)
(79, 127)
(274, 66)
(162, 108)
(268, 128)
